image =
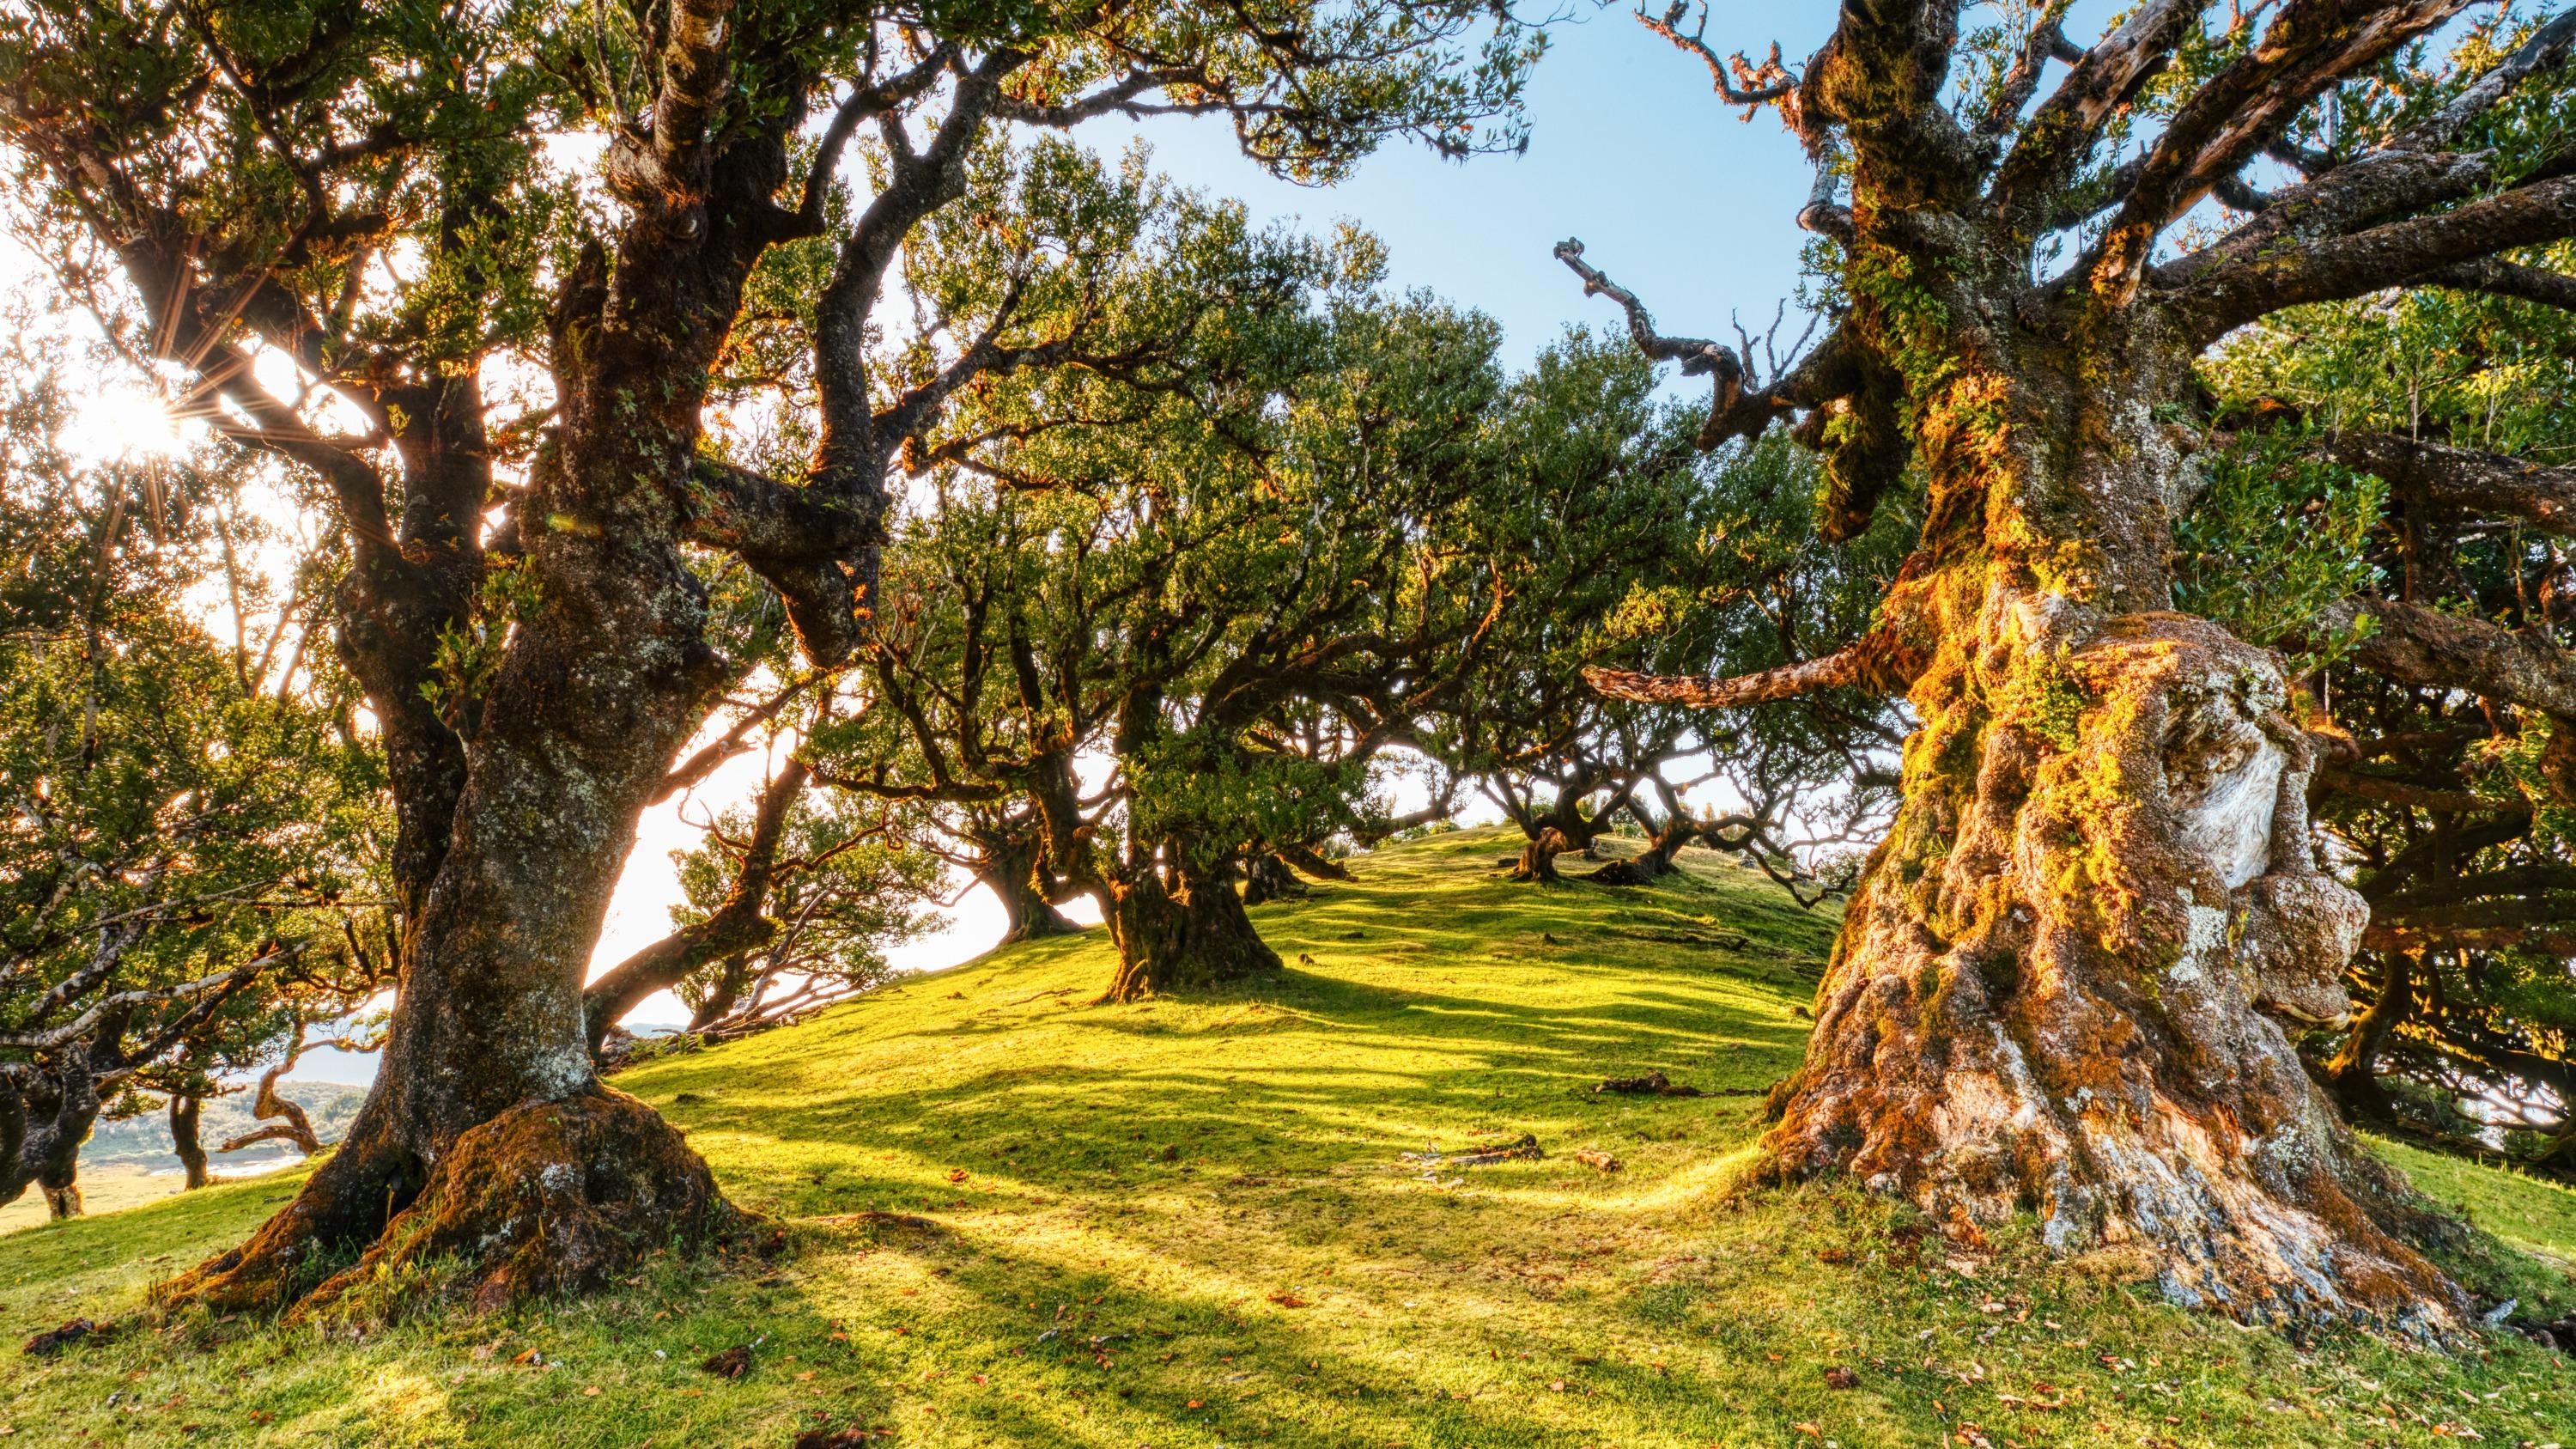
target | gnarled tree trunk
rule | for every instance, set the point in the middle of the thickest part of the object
(1010, 871)
(1182, 937)
(2055, 988)
(487, 1133)
(1266, 878)
(46, 1113)
(1538, 856)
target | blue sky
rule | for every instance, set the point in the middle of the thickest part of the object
(1630, 150)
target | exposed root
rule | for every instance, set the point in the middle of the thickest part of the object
(548, 1198)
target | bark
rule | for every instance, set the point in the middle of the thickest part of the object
(184, 1141)
(1185, 937)
(1267, 877)
(1011, 872)
(2352, 1074)
(45, 1115)
(2056, 987)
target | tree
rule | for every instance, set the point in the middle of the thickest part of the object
(1234, 597)
(1614, 516)
(1642, 555)
(2055, 986)
(842, 886)
(190, 830)
(364, 196)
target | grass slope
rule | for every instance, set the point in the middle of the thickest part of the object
(1185, 1223)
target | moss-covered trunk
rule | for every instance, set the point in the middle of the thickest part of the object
(1185, 933)
(604, 678)
(2056, 990)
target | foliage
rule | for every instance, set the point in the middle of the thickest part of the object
(190, 860)
(2480, 1034)
(2280, 535)
(848, 891)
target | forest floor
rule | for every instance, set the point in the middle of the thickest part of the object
(1190, 1223)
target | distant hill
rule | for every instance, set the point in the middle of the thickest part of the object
(145, 1140)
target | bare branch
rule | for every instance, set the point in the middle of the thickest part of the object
(1879, 663)
(2309, 45)
(2063, 131)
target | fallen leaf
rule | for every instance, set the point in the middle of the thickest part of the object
(1287, 1300)
(591, 1392)
(1841, 1378)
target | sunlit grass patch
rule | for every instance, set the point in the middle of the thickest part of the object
(1187, 1223)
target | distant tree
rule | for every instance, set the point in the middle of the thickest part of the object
(1645, 556)
(1234, 600)
(2057, 986)
(367, 201)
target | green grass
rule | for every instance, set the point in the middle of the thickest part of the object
(1185, 1224)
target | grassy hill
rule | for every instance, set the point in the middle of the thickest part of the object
(1188, 1223)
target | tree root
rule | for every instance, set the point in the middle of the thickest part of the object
(548, 1198)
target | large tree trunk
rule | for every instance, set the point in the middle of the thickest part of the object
(487, 1132)
(184, 1141)
(2053, 990)
(1183, 938)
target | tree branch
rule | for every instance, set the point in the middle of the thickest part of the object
(2483, 485)
(1879, 663)
(2417, 646)
(2227, 296)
